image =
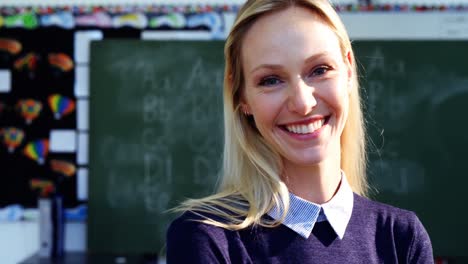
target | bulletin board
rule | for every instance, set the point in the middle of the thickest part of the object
(36, 101)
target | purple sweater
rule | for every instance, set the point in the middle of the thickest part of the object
(376, 233)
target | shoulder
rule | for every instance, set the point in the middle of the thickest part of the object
(388, 215)
(383, 212)
(190, 226)
(409, 235)
(188, 240)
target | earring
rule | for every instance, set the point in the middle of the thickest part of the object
(245, 110)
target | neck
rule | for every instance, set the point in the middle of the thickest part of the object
(317, 183)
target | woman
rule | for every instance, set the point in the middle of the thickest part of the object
(294, 155)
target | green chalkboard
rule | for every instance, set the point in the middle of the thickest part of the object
(416, 97)
(156, 135)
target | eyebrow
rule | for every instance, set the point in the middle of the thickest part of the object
(278, 66)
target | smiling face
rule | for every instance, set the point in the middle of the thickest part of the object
(296, 85)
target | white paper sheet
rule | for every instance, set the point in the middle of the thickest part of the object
(62, 141)
(81, 81)
(82, 157)
(82, 184)
(82, 119)
(5, 81)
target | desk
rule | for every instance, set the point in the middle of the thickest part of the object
(87, 258)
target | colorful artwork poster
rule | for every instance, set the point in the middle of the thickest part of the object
(41, 64)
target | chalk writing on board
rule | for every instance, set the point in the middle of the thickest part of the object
(205, 112)
(154, 140)
(374, 89)
(124, 192)
(202, 165)
(155, 199)
(453, 86)
(157, 175)
(121, 67)
(158, 166)
(387, 103)
(155, 108)
(377, 63)
(157, 133)
(194, 106)
(393, 104)
(173, 113)
(113, 151)
(169, 106)
(198, 75)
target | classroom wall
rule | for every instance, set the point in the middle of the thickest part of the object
(18, 240)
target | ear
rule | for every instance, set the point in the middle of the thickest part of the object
(245, 108)
(349, 64)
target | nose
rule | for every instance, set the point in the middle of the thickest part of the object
(301, 98)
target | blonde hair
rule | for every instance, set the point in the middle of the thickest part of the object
(251, 184)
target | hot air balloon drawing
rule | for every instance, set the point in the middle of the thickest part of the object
(37, 150)
(10, 46)
(12, 137)
(61, 105)
(63, 167)
(27, 62)
(45, 187)
(60, 61)
(29, 109)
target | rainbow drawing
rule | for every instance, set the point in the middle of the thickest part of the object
(37, 150)
(10, 46)
(60, 61)
(46, 187)
(63, 167)
(29, 109)
(61, 105)
(27, 62)
(12, 137)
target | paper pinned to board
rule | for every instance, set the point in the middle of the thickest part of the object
(82, 120)
(81, 87)
(82, 155)
(62, 140)
(5, 81)
(82, 184)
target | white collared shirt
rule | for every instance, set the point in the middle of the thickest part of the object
(303, 215)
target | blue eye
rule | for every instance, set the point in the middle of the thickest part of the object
(270, 81)
(320, 71)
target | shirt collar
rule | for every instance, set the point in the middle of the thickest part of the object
(303, 215)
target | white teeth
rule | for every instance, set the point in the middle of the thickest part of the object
(306, 129)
